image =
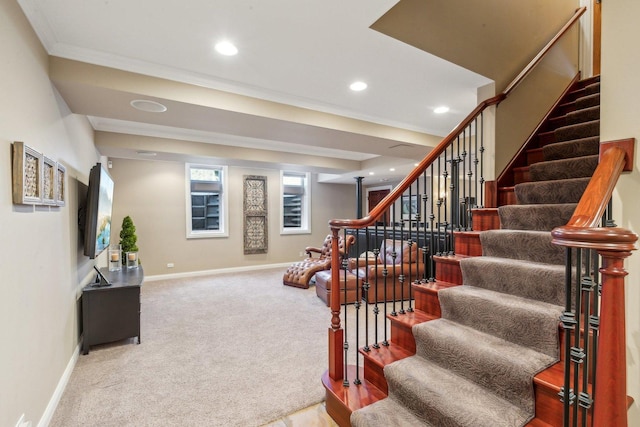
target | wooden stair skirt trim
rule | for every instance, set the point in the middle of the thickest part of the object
(341, 401)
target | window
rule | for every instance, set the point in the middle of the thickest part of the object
(206, 201)
(296, 202)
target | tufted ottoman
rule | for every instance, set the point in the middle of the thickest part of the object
(323, 287)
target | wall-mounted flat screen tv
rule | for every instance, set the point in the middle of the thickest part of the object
(99, 206)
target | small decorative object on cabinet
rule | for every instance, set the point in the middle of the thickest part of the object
(128, 241)
(115, 258)
(132, 259)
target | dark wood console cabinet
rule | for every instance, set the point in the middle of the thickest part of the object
(112, 313)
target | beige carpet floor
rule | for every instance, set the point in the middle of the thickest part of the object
(221, 350)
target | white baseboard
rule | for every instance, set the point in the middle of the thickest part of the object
(216, 271)
(62, 384)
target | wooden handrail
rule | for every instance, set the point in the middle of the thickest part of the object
(579, 12)
(442, 146)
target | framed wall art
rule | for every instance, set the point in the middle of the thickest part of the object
(27, 174)
(255, 214)
(48, 181)
(60, 186)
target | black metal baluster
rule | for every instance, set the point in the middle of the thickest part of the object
(432, 242)
(577, 352)
(568, 321)
(481, 201)
(365, 289)
(394, 261)
(376, 309)
(385, 273)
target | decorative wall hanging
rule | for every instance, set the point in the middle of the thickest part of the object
(27, 174)
(37, 179)
(48, 181)
(60, 190)
(255, 214)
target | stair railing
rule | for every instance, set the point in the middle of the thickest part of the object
(594, 316)
(397, 242)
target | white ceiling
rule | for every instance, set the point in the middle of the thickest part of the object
(302, 53)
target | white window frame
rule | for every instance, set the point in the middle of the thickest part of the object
(305, 219)
(223, 230)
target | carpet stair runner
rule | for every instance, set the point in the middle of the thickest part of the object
(474, 366)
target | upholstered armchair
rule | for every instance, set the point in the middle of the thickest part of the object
(300, 273)
(400, 259)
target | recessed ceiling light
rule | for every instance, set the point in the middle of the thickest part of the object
(441, 110)
(226, 48)
(358, 86)
(148, 106)
(371, 173)
(392, 169)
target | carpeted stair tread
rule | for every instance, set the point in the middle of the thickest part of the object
(578, 167)
(577, 131)
(584, 115)
(526, 245)
(548, 192)
(524, 279)
(588, 101)
(446, 399)
(522, 321)
(504, 368)
(592, 88)
(387, 412)
(543, 217)
(574, 148)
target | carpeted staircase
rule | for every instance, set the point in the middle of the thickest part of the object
(474, 366)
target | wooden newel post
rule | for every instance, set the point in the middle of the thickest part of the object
(336, 333)
(610, 409)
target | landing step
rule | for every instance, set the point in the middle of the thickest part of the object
(341, 401)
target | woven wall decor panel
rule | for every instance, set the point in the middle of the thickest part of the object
(255, 215)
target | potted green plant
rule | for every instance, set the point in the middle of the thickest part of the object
(128, 241)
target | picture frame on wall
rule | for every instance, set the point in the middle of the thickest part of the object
(60, 185)
(48, 181)
(409, 207)
(27, 174)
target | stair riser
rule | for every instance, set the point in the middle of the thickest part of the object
(534, 156)
(521, 175)
(448, 272)
(375, 375)
(428, 302)
(468, 244)
(485, 219)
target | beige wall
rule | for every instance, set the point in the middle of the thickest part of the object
(518, 115)
(41, 265)
(620, 103)
(153, 194)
